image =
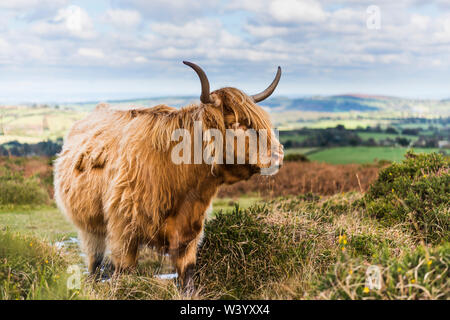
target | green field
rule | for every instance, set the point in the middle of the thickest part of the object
(226, 204)
(304, 151)
(344, 155)
(35, 124)
(46, 223)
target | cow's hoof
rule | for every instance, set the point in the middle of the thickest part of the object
(188, 290)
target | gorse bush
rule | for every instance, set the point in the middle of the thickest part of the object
(15, 189)
(296, 157)
(416, 193)
(30, 269)
(422, 273)
(241, 253)
(283, 248)
(28, 192)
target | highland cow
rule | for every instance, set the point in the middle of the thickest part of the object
(116, 181)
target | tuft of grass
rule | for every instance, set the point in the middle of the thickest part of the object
(421, 273)
(133, 286)
(31, 269)
(246, 253)
(414, 192)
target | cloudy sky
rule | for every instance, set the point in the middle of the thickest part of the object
(78, 50)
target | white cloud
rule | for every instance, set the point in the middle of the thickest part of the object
(4, 45)
(265, 31)
(297, 11)
(309, 37)
(248, 5)
(420, 21)
(171, 10)
(91, 53)
(442, 34)
(140, 59)
(194, 29)
(30, 4)
(73, 21)
(123, 18)
(76, 20)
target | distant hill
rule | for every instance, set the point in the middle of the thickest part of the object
(360, 103)
(336, 103)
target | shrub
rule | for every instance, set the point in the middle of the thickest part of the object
(17, 190)
(419, 274)
(415, 193)
(30, 269)
(295, 157)
(242, 253)
(26, 192)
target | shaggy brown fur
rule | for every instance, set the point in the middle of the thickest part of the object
(115, 180)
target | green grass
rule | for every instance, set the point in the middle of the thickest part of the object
(26, 124)
(344, 155)
(32, 269)
(304, 151)
(46, 223)
(226, 204)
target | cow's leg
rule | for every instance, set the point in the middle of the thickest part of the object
(184, 232)
(124, 252)
(94, 246)
(185, 261)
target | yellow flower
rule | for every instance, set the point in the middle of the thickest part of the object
(366, 290)
(393, 190)
(31, 244)
(413, 280)
(429, 262)
(424, 175)
(399, 269)
(46, 261)
(343, 249)
(345, 241)
(350, 271)
(390, 173)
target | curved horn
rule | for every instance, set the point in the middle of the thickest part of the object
(266, 93)
(205, 97)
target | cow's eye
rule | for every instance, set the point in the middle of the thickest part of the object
(237, 125)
